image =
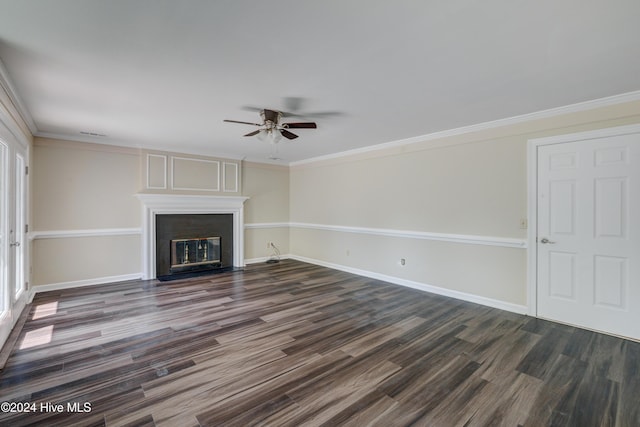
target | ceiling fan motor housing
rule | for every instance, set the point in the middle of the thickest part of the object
(271, 118)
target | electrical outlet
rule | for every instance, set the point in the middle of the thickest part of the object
(403, 261)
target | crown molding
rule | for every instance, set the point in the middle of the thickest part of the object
(16, 101)
(122, 144)
(543, 114)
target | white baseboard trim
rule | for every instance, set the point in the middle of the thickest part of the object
(489, 302)
(86, 282)
(264, 259)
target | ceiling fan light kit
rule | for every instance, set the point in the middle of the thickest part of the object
(271, 128)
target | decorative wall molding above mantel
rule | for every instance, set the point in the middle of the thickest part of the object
(174, 173)
(159, 204)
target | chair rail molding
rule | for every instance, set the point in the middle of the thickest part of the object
(468, 239)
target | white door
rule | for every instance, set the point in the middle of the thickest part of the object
(588, 233)
(13, 190)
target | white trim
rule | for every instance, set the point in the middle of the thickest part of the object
(265, 225)
(23, 112)
(422, 235)
(532, 196)
(532, 231)
(489, 302)
(543, 114)
(85, 282)
(97, 232)
(161, 204)
(125, 144)
(452, 238)
(265, 259)
(256, 260)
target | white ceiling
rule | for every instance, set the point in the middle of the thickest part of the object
(164, 73)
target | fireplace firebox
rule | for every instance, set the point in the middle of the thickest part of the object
(188, 253)
(193, 243)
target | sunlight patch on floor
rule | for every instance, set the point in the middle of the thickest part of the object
(37, 337)
(44, 310)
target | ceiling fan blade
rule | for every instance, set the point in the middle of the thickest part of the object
(313, 114)
(293, 103)
(287, 134)
(255, 132)
(244, 123)
(252, 108)
(301, 125)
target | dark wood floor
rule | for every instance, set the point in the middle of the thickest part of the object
(295, 344)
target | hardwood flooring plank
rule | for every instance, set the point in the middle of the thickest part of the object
(558, 394)
(539, 361)
(365, 412)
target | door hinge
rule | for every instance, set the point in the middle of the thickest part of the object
(26, 228)
(26, 170)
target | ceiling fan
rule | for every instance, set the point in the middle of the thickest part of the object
(271, 126)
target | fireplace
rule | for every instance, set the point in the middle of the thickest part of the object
(181, 247)
(157, 208)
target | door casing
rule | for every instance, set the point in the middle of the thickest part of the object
(15, 147)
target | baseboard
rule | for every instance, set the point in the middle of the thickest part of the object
(264, 259)
(86, 282)
(502, 305)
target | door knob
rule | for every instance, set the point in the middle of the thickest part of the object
(546, 241)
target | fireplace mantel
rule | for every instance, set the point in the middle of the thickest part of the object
(162, 204)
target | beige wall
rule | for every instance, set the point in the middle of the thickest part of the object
(267, 210)
(472, 184)
(90, 189)
(84, 186)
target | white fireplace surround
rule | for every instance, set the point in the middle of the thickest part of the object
(165, 204)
